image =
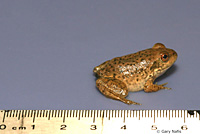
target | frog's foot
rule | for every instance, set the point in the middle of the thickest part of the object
(129, 102)
(150, 87)
(162, 85)
(115, 89)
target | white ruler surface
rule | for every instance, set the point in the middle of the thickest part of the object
(99, 121)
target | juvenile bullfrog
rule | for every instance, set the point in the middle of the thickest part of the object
(134, 72)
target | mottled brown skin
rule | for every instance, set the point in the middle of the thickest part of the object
(134, 72)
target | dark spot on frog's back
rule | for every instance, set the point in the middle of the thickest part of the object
(109, 64)
(114, 75)
(132, 73)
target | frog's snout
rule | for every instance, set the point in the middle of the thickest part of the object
(175, 54)
(96, 69)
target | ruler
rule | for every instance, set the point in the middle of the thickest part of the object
(99, 121)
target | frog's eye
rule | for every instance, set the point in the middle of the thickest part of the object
(164, 56)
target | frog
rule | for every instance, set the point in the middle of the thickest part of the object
(134, 72)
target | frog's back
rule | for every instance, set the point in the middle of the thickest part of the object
(124, 65)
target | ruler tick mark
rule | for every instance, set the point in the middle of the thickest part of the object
(102, 118)
(94, 117)
(28, 112)
(136, 114)
(46, 113)
(76, 113)
(11, 113)
(19, 115)
(124, 116)
(64, 116)
(58, 113)
(52, 112)
(157, 113)
(73, 113)
(139, 115)
(37, 111)
(4, 116)
(16, 113)
(109, 114)
(184, 116)
(49, 116)
(79, 115)
(34, 116)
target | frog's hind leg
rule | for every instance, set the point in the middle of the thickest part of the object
(115, 89)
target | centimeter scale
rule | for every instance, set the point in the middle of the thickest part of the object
(99, 121)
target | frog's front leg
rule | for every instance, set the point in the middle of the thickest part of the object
(150, 87)
(115, 89)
